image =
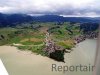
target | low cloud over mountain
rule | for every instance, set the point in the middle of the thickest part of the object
(71, 8)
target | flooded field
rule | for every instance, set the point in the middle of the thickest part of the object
(26, 63)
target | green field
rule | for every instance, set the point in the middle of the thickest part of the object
(32, 36)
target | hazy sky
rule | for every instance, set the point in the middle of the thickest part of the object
(56, 7)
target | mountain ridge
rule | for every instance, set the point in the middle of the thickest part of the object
(13, 19)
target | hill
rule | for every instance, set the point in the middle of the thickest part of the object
(14, 19)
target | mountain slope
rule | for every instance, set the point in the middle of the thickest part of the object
(14, 19)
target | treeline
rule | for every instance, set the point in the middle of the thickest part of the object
(87, 27)
(11, 20)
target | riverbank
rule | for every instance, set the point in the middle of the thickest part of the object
(27, 63)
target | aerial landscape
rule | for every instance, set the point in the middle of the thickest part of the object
(51, 38)
(31, 42)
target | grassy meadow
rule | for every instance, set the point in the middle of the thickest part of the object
(32, 36)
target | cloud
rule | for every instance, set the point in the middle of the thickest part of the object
(58, 7)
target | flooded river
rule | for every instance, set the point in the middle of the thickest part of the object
(26, 63)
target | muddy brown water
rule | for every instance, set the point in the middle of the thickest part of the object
(26, 63)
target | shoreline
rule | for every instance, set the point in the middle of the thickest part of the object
(28, 62)
(30, 52)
